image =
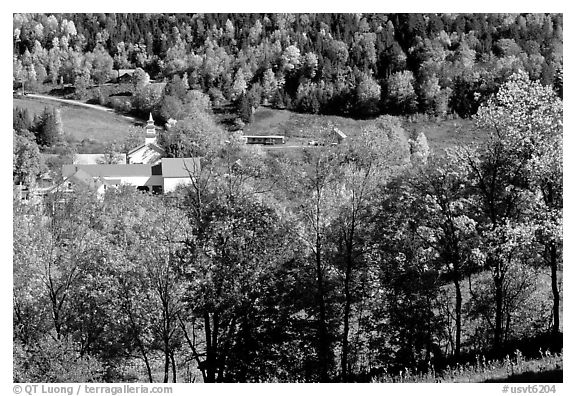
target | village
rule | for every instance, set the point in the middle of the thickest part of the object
(146, 167)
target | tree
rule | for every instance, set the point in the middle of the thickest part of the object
(146, 99)
(238, 244)
(21, 120)
(245, 109)
(310, 65)
(269, 84)
(140, 78)
(445, 226)
(291, 58)
(27, 162)
(368, 96)
(401, 97)
(316, 213)
(81, 85)
(517, 116)
(195, 136)
(527, 118)
(239, 86)
(48, 129)
(419, 149)
(102, 65)
(366, 163)
(404, 284)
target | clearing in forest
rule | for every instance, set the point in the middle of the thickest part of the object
(81, 123)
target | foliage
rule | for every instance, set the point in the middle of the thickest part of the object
(455, 61)
(195, 136)
(368, 259)
(27, 163)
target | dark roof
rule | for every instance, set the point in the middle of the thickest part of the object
(112, 170)
(264, 136)
(180, 167)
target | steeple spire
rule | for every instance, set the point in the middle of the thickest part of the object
(150, 131)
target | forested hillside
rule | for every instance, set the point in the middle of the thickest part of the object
(362, 261)
(348, 64)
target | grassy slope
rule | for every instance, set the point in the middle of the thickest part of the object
(299, 128)
(296, 126)
(82, 123)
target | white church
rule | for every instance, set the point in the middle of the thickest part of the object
(144, 167)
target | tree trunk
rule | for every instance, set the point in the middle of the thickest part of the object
(458, 315)
(166, 361)
(210, 364)
(555, 291)
(347, 308)
(322, 330)
(145, 357)
(499, 295)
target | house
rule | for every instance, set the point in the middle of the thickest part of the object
(340, 136)
(149, 152)
(162, 177)
(125, 75)
(265, 139)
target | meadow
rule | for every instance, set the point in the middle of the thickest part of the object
(83, 126)
(300, 128)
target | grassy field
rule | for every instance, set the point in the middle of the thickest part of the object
(300, 128)
(81, 123)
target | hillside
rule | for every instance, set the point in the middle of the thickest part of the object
(86, 127)
(300, 128)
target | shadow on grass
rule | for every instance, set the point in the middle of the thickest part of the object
(531, 376)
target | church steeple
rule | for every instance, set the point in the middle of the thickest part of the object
(150, 131)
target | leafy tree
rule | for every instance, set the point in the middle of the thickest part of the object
(291, 58)
(405, 283)
(81, 85)
(445, 225)
(48, 128)
(140, 78)
(419, 149)
(401, 97)
(316, 211)
(499, 174)
(527, 119)
(177, 87)
(239, 86)
(171, 107)
(102, 66)
(310, 65)
(195, 136)
(21, 120)
(368, 96)
(146, 99)
(367, 162)
(27, 162)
